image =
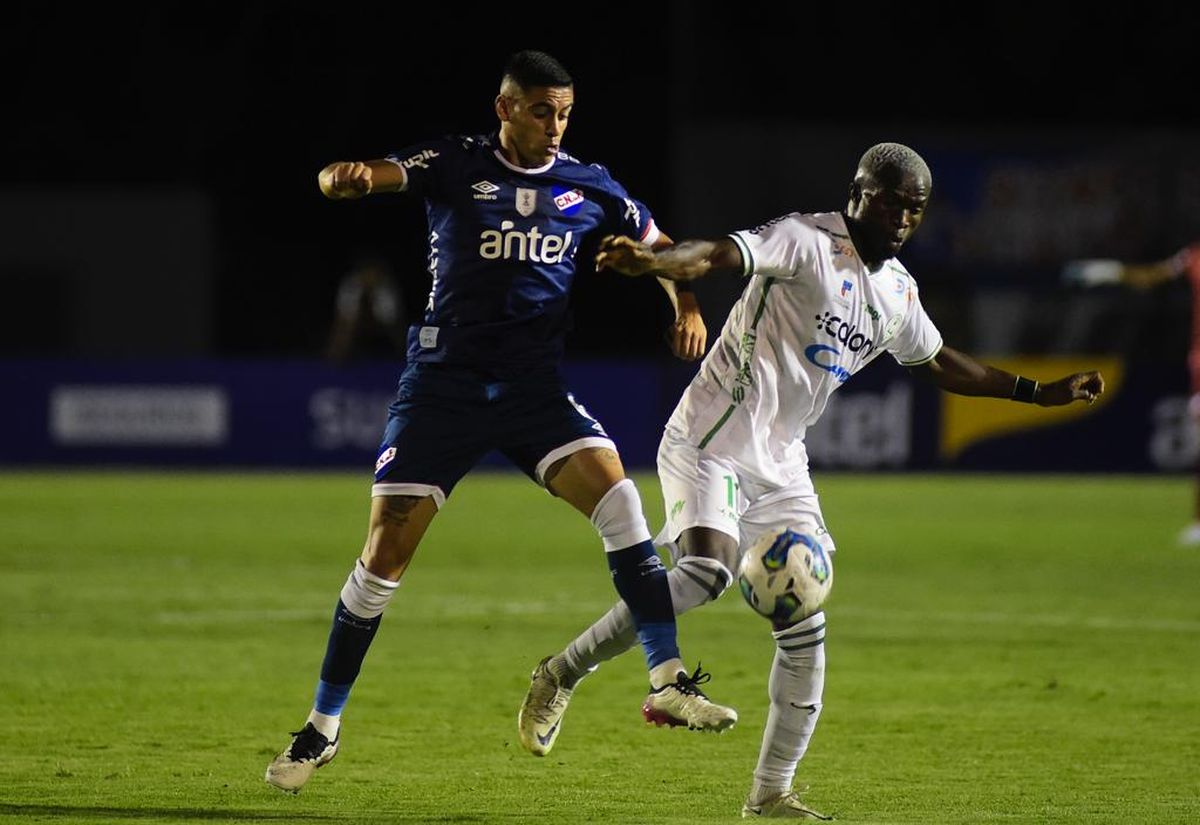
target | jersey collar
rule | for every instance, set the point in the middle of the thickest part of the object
(539, 170)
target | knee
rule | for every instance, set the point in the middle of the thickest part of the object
(707, 543)
(386, 554)
(386, 557)
(397, 524)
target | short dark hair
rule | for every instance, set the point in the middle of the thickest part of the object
(531, 68)
(885, 161)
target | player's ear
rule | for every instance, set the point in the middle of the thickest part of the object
(503, 108)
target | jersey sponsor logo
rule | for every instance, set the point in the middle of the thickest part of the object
(844, 332)
(509, 243)
(873, 312)
(433, 269)
(419, 159)
(744, 378)
(568, 199)
(485, 190)
(632, 213)
(526, 201)
(813, 351)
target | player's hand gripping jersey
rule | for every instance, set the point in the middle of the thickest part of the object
(502, 247)
(809, 318)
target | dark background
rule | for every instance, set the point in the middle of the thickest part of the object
(243, 107)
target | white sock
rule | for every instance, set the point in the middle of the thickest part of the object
(666, 674)
(795, 687)
(694, 580)
(327, 726)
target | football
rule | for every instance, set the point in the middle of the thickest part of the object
(786, 575)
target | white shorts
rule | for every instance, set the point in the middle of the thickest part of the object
(701, 490)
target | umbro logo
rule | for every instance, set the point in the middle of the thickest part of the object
(649, 565)
(486, 190)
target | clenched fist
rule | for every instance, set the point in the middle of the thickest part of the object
(345, 180)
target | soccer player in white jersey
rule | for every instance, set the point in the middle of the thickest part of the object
(825, 297)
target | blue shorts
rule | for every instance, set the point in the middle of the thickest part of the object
(446, 418)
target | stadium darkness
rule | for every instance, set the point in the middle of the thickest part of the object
(246, 107)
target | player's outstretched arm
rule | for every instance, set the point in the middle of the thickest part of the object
(959, 373)
(1102, 271)
(347, 180)
(684, 261)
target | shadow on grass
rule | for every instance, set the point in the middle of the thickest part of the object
(105, 812)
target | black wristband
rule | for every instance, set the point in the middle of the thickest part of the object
(1025, 390)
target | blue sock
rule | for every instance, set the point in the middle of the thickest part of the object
(349, 640)
(641, 580)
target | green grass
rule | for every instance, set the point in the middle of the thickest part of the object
(1016, 650)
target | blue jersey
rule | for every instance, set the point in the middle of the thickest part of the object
(502, 246)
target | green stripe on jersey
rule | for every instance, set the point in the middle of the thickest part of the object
(721, 423)
(762, 305)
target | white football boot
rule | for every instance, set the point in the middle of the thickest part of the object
(540, 718)
(309, 750)
(682, 703)
(784, 806)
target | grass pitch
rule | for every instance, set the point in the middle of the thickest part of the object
(1014, 649)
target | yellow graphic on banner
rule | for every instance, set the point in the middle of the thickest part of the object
(967, 421)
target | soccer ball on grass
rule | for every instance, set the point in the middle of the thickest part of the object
(786, 575)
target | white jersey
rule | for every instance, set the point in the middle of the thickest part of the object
(810, 317)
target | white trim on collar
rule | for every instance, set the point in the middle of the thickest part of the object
(500, 157)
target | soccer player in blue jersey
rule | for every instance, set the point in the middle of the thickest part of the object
(506, 214)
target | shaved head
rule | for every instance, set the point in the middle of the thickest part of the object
(889, 164)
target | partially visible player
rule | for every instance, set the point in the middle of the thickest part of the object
(1183, 264)
(506, 213)
(825, 297)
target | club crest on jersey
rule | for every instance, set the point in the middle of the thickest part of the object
(846, 287)
(566, 201)
(891, 327)
(526, 202)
